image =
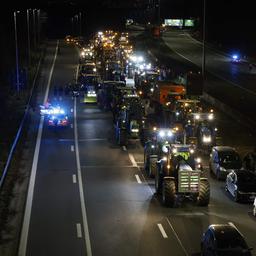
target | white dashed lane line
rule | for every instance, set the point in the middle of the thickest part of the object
(132, 160)
(78, 230)
(138, 178)
(72, 148)
(161, 228)
(74, 178)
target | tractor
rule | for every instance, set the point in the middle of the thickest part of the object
(179, 176)
(129, 120)
(201, 130)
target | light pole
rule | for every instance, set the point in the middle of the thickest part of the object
(72, 26)
(203, 51)
(80, 24)
(28, 29)
(76, 25)
(34, 27)
(38, 26)
(17, 55)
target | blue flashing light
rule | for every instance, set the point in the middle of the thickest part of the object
(234, 57)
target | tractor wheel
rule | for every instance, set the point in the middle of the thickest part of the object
(152, 167)
(168, 192)
(158, 180)
(204, 193)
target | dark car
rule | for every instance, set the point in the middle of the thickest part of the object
(224, 240)
(223, 159)
(241, 184)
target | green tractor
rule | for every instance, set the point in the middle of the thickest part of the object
(129, 120)
(179, 176)
(153, 148)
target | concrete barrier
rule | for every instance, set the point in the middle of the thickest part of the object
(237, 116)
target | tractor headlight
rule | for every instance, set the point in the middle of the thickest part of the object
(164, 158)
(198, 160)
(174, 150)
(207, 139)
(210, 116)
(169, 134)
(161, 134)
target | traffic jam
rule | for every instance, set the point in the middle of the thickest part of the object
(176, 129)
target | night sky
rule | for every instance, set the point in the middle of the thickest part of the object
(229, 22)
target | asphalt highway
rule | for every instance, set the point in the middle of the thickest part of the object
(92, 197)
(218, 63)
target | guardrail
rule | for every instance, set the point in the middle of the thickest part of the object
(18, 134)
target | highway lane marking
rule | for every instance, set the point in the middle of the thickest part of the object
(124, 148)
(78, 230)
(95, 139)
(71, 126)
(138, 178)
(77, 69)
(74, 178)
(109, 166)
(81, 191)
(132, 160)
(72, 148)
(161, 228)
(30, 193)
(71, 110)
(134, 164)
(220, 77)
(189, 214)
(177, 237)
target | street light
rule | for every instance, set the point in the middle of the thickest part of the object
(17, 55)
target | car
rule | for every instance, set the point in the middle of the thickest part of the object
(222, 160)
(58, 120)
(224, 240)
(241, 184)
